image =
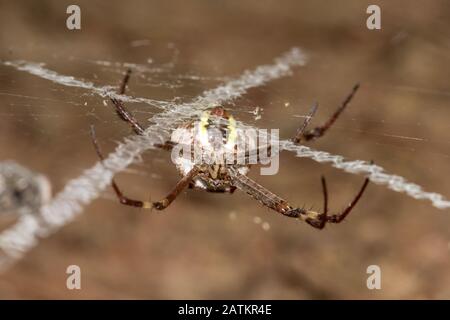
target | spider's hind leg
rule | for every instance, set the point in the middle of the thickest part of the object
(319, 131)
(122, 198)
(318, 220)
(158, 205)
(314, 218)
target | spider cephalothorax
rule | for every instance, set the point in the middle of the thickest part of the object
(215, 135)
(210, 141)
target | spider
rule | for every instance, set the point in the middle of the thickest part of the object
(226, 178)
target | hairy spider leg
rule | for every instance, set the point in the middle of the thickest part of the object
(314, 133)
(274, 202)
(319, 131)
(122, 112)
(126, 116)
(159, 205)
(308, 119)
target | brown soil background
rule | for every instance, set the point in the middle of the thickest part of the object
(194, 249)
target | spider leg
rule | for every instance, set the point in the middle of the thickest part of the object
(339, 217)
(255, 154)
(308, 119)
(121, 111)
(319, 131)
(179, 187)
(159, 205)
(318, 220)
(123, 85)
(168, 145)
(274, 202)
(126, 116)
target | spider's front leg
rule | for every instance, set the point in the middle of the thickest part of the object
(317, 132)
(121, 111)
(126, 115)
(272, 201)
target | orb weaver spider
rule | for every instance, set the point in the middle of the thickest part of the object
(227, 178)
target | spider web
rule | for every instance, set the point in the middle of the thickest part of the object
(79, 192)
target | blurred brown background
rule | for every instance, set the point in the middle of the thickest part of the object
(208, 245)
